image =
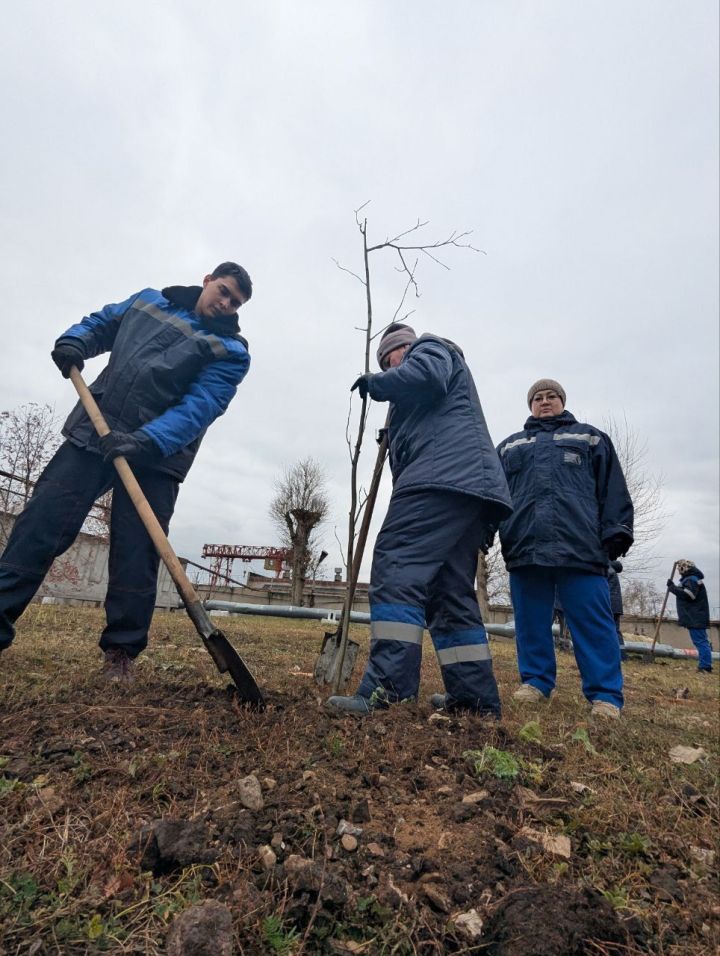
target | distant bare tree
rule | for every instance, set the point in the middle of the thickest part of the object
(645, 489)
(297, 510)
(29, 437)
(641, 597)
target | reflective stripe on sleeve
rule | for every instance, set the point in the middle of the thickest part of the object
(518, 441)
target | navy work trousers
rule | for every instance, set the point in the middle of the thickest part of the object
(64, 494)
(423, 573)
(586, 601)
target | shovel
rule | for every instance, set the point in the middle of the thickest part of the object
(220, 649)
(337, 656)
(660, 619)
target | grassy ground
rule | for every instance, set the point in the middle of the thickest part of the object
(84, 766)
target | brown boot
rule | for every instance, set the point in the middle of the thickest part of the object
(117, 666)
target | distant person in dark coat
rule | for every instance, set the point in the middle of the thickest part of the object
(448, 489)
(571, 513)
(616, 601)
(693, 610)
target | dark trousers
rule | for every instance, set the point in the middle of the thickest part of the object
(72, 481)
(423, 573)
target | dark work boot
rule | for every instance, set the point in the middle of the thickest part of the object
(117, 666)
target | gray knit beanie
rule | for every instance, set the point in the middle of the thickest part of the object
(394, 336)
(541, 385)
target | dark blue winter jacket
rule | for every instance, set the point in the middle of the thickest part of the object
(693, 608)
(437, 435)
(170, 372)
(616, 601)
(568, 492)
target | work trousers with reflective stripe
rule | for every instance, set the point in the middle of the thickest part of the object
(65, 492)
(423, 573)
(698, 635)
(585, 599)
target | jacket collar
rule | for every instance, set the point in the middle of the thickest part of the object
(186, 297)
(550, 424)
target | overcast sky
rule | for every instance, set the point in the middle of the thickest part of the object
(146, 142)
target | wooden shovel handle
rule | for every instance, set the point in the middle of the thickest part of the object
(135, 492)
(662, 611)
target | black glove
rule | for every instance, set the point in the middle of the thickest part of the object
(362, 384)
(65, 356)
(488, 540)
(670, 584)
(617, 546)
(133, 445)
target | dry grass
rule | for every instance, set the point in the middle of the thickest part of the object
(84, 766)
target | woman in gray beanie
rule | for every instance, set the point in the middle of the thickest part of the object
(572, 513)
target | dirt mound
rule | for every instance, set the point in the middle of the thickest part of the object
(554, 921)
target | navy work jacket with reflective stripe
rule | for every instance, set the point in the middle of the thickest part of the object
(437, 435)
(568, 493)
(170, 373)
(693, 607)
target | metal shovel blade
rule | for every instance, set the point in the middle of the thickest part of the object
(228, 659)
(326, 662)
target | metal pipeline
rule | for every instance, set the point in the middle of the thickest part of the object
(331, 617)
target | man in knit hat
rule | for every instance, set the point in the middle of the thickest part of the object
(693, 610)
(448, 487)
(572, 514)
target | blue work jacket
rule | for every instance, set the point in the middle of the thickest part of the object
(437, 435)
(170, 373)
(568, 493)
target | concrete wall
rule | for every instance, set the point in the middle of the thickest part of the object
(80, 575)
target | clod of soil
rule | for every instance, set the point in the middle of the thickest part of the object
(203, 930)
(550, 921)
(167, 845)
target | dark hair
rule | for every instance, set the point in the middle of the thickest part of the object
(239, 275)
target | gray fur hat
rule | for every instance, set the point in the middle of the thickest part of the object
(541, 385)
(394, 337)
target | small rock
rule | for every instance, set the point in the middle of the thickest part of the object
(682, 754)
(702, 855)
(444, 791)
(360, 813)
(344, 827)
(166, 845)
(267, 857)
(378, 729)
(436, 898)
(250, 793)
(308, 775)
(306, 875)
(374, 849)
(438, 719)
(349, 842)
(477, 796)
(269, 783)
(444, 840)
(469, 924)
(580, 787)
(277, 842)
(202, 930)
(553, 844)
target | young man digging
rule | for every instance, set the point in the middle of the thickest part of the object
(448, 487)
(176, 360)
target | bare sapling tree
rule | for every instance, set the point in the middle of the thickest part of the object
(298, 509)
(407, 249)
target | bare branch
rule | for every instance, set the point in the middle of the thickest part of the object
(349, 271)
